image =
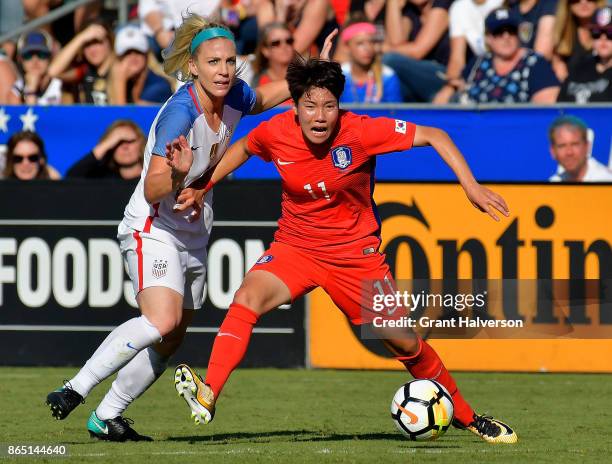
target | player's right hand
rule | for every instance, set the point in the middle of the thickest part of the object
(179, 156)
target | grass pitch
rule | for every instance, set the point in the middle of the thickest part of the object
(289, 416)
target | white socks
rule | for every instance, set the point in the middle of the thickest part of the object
(131, 382)
(121, 345)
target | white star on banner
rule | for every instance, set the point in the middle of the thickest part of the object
(28, 120)
(4, 119)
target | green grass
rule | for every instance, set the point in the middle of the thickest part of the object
(291, 416)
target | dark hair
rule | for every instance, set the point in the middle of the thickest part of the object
(303, 75)
(9, 169)
(571, 121)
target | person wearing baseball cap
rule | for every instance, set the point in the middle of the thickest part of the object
(36, 86)
(130, 38)
(500, 20)
(591, 80)
(508, 73)
(131, 80)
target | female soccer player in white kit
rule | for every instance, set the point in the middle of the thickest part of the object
(165, 253)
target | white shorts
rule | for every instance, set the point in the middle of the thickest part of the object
(153, 260)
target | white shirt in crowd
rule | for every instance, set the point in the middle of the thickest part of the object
(467, 18)
(596, 172)
(173, 11)
(51, 96)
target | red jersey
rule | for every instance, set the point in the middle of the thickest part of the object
(327, 203)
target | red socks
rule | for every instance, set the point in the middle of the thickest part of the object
(233, 339)
(230, 345)
(426, 364)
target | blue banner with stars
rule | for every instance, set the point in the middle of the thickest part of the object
(509, 144)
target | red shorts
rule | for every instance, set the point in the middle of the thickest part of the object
(348, 281)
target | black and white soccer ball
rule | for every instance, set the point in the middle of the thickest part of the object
(422, 409)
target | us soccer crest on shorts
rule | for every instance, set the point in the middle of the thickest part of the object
(160, 267)
(342, 157)
(265, 259)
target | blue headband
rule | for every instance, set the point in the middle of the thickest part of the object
(210, 33)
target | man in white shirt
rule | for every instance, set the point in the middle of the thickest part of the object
(570, 147)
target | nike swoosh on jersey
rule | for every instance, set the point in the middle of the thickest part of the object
(226, 334)
(129, 345)
(283, 163)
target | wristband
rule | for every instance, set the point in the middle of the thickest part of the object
(209, 186)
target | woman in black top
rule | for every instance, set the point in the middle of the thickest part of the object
(118, 154)
(591, 80)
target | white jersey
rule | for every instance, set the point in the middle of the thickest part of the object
(182, 115)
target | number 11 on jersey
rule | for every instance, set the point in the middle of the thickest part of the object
(321, 185)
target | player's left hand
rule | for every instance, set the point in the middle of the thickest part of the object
(327, 45)
(189, 198)
(486, 200)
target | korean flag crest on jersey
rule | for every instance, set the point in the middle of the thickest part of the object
(342, 157)
(400, 126)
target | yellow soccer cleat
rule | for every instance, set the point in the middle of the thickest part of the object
(491, 430)
(198, 396)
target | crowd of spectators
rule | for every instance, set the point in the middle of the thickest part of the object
(438, 51)
(392, 51)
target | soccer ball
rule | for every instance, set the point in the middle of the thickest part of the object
(422, 409)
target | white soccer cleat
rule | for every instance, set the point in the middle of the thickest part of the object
(198, 396)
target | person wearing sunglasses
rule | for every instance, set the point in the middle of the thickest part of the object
(591, 80)
(508, 73)
(117, 155)
(26, 158)
(571, 34)
(274, 53)
(36, 87)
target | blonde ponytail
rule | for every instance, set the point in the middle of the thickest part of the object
(177, 55)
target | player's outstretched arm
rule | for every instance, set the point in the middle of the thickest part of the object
(274, 93)
(193, 195)
(165, 175)
(481, 197)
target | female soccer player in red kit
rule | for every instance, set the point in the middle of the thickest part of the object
(328, 235)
